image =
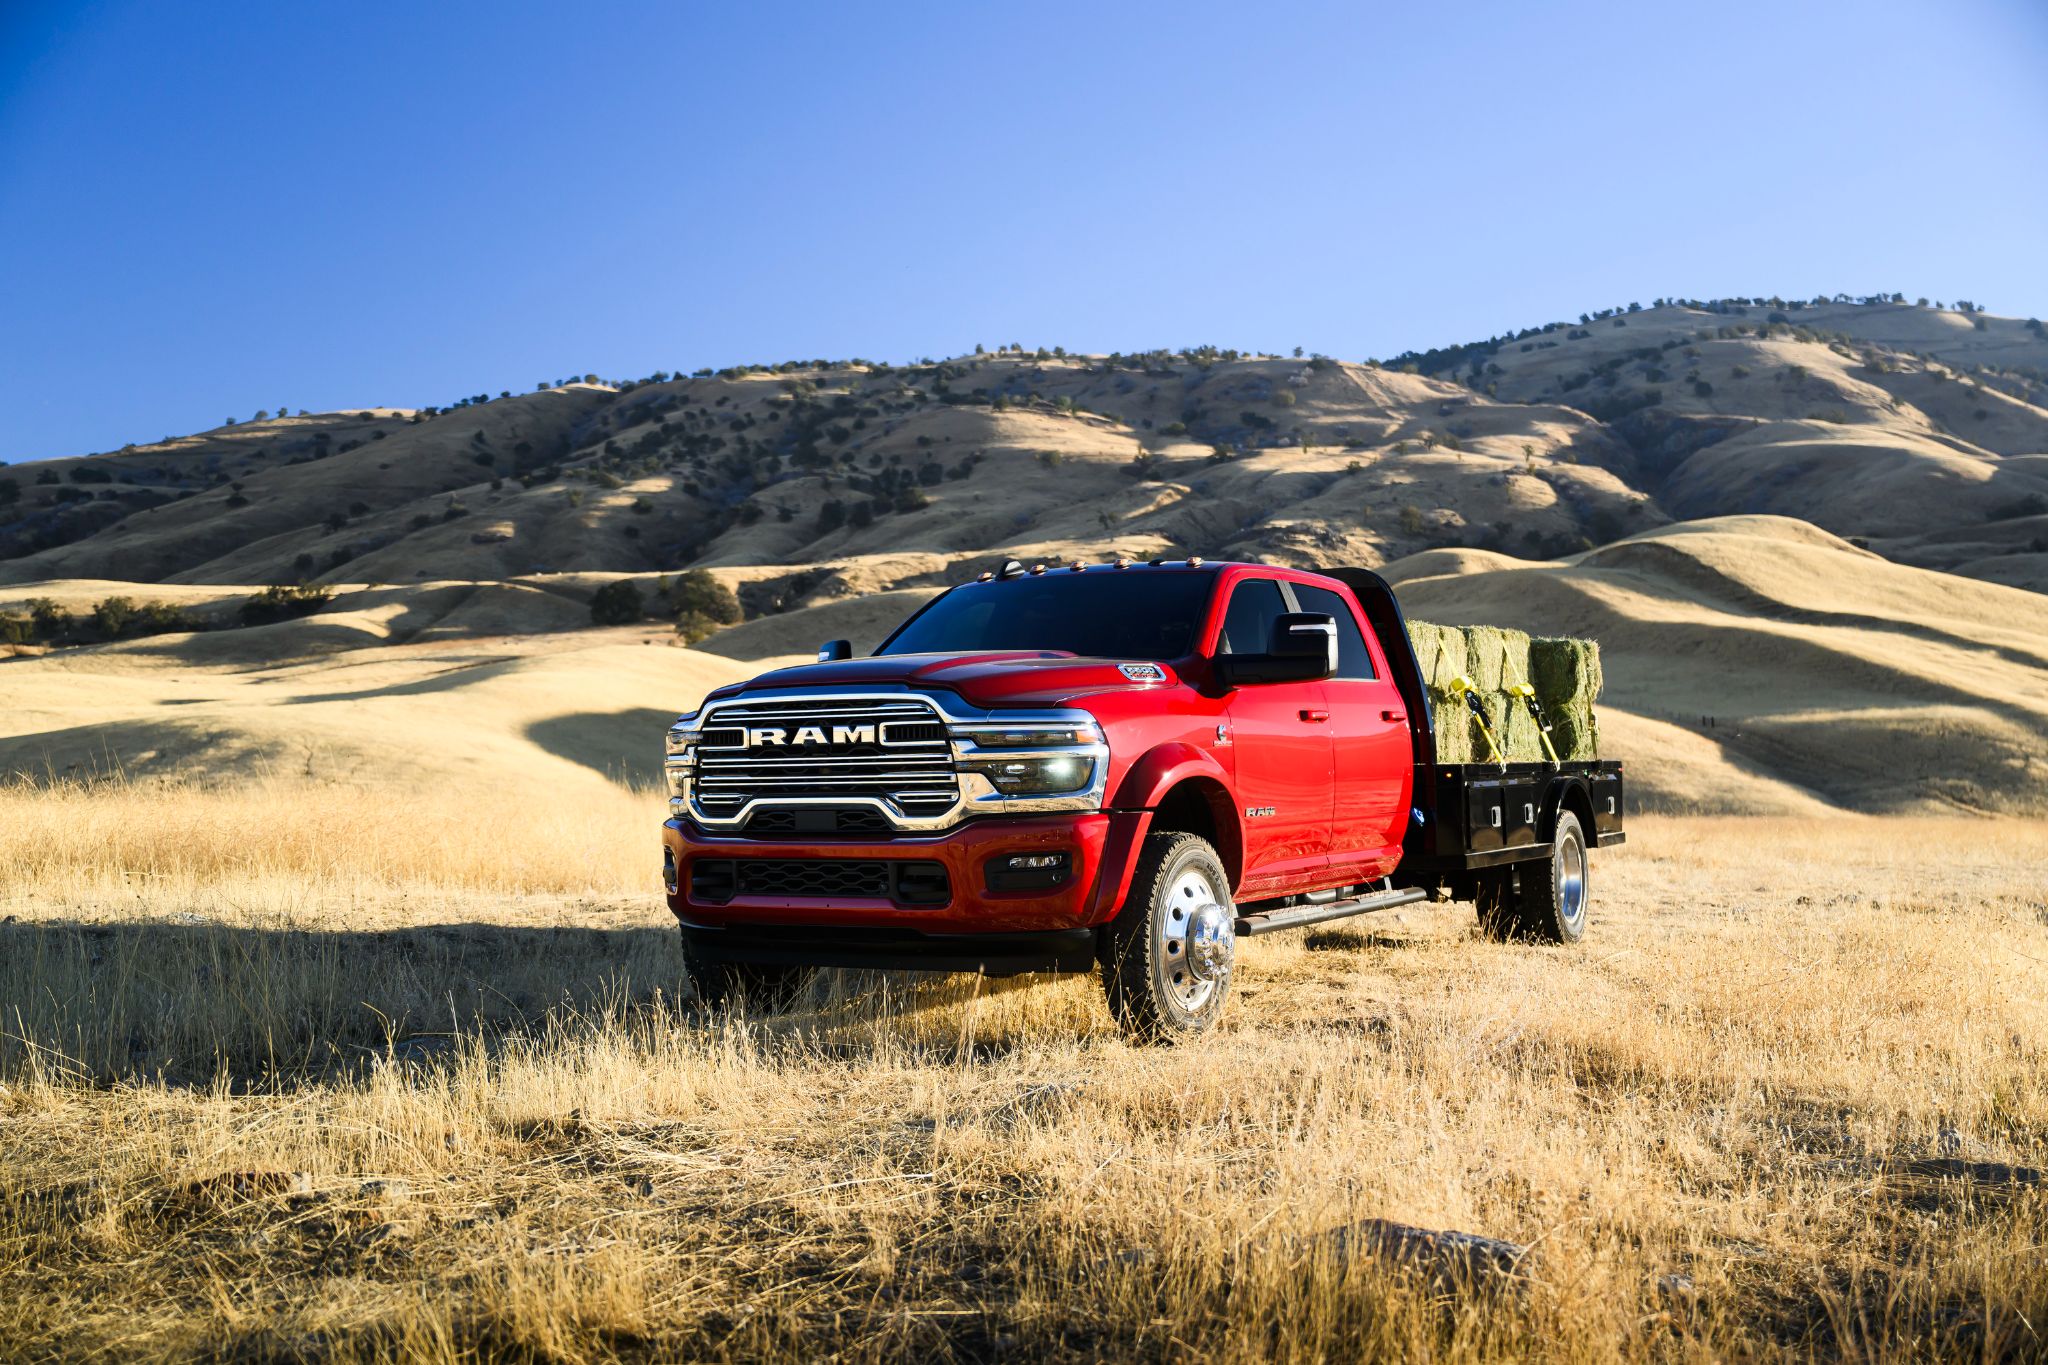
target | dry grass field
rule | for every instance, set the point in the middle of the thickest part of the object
(301, 1072)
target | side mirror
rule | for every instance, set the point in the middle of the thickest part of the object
(832, 651)
(1303, 649)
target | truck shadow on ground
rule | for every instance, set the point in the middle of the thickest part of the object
(189, 1003)
(1358, 940)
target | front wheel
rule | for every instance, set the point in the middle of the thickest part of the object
(1168, 955)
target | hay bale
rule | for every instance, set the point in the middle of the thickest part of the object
(1439, 651)
(1496, 659)
(1519, 737)
(1457, 738)
(1564, 672)
(1440, 654)
(1486, 649)
(1566, 665)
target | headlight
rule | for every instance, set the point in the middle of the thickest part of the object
(1034, 763)
(677, 759)
(1037, 736)
(1038, 776)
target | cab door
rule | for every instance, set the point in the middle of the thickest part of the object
(1374, 758)
(1280, 739)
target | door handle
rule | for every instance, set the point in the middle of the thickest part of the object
(1394, 715)
(1311, 713)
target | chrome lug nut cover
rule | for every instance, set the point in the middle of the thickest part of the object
(1212, 940)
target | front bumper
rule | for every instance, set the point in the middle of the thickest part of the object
(1098, 845)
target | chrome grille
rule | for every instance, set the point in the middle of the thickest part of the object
(901, 757)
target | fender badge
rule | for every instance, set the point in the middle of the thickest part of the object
(1142, 672)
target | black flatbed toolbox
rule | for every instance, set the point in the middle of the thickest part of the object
(1475, 815)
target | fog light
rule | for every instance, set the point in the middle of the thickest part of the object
(1027, 872)
(668, 868)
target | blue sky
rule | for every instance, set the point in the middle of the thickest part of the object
(207, 210)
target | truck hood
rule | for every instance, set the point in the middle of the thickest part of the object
(1017, 678)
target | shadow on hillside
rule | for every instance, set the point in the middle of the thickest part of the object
(102, 749)
(624, 746)
(1711, 585)
(461, 671)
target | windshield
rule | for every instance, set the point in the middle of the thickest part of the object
(1140, 613)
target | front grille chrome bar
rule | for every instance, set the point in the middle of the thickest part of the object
(773, 751)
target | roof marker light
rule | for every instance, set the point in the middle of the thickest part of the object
(1037, 569)
(984, 576)
(1194, 561)
(1123, 561)
(1075, 566)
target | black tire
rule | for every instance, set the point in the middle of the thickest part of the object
(1149, 957)
(736, 985)
(1542, 901)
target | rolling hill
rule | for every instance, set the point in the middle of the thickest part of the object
(1754, 664)
(1922, 433)
(1811, 537)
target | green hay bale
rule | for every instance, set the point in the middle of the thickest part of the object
(1440, 654)
(1564, 672)
(1457, 738)
(1565, 667)
(1575, 732)
(1580, 736)
(1497, 658)
(1485, 654)
(1519, 737)
(1567, 677)
(1439, 651)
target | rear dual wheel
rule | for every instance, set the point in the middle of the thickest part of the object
(1542, 901)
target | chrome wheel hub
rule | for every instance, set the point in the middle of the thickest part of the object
(1211, 938)
(1571, 879)
(1197, 930)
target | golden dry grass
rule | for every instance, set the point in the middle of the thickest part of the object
(307, 1073)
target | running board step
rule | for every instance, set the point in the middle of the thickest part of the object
(1300, 916)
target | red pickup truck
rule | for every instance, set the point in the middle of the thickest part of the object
(1118, 767)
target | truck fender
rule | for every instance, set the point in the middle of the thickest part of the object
(1565, 793)
(1144, 786)
(1160, 771)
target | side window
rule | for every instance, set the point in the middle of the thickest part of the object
(1255, 603)
(1354, 660)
